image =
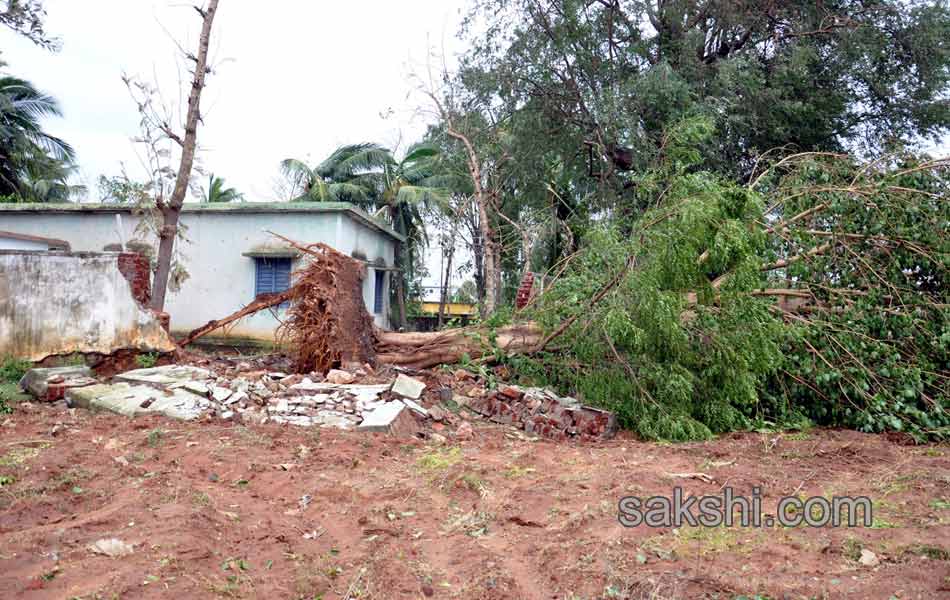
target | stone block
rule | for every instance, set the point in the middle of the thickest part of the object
(393, 418)
(407, 387)
(37, 381)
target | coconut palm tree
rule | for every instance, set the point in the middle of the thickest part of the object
(218, 193)
(25, 149)
(49, 182)
(336, 178)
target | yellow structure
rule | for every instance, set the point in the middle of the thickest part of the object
(455, 309)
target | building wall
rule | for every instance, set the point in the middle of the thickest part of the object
(221, 278)
(355, 240)
(63, 302)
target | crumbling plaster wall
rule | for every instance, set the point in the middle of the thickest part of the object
(221, 276)
(64, 302)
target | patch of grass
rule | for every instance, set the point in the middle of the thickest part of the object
(146, 361)
(12, 368)
(18, 456)
(200, 499)
(473, 524)
(940, 504)
(11, 394)
(927, 551)
(475, 483)
(154, 438)
(7, 480)
(851, 549)
(439, 459)
(69, 479)
(516, 471)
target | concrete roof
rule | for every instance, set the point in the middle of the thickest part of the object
(217, 207)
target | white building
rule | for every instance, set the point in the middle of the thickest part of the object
(229, 254)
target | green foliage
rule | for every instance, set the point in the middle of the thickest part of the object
(877, 358)
(34, 165)
(698, 335)
(146, 361)
(674, 360)
(218, 193)
(12, 370)
(122, 190)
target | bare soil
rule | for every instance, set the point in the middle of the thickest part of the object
(221, 510)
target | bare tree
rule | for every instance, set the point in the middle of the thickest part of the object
(156, 125)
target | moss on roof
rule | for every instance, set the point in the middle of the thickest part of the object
(217, 207)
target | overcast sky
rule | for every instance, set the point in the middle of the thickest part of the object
(293, 78)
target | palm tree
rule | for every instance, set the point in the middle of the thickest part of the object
(49, 182)
(25, 149)
(369, 176)
(218, 193)
(334, 180)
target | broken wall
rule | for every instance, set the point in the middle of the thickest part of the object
(64, 302)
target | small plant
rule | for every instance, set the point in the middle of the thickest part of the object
(155, 437)
(440, 459)
(10, 394)
(146, 361)
(12, 369)
(851, 549)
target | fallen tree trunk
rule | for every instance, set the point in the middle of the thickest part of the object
(260, 303)
(420, 350)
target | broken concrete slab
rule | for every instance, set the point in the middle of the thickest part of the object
(416, 407)
(393, 418)
(165, 375)
(220, 394)
(407, 387)
(37, 381)
(135, 400)
(195, 387)
(338, 376)
(382, 417)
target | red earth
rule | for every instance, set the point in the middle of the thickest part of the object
(221, 510)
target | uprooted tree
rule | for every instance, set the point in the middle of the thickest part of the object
(817, 292)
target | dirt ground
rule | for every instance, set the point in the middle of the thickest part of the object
(221, 510)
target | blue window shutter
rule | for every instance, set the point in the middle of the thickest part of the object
(264, 280)
(271, 275)
(378, 291)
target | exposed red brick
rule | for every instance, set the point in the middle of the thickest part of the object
(135, 268)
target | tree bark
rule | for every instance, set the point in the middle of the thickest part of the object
(172, 210)
(422, 350)
(447, 276)
(482, 201)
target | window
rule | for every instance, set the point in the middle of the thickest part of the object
(378, 292)
(272, 275)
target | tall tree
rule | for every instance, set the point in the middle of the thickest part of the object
(157, 126)
(216, 191)
(614, 75)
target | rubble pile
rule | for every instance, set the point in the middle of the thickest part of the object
(357, 398)
(542, 412)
